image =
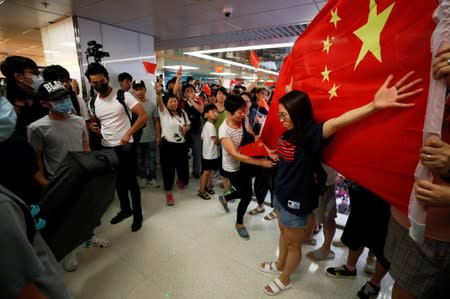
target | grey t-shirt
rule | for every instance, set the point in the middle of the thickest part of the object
(148, 132)
(23, 262)
(54, 138)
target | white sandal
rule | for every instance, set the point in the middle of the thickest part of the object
(270, 267)
(276, 286)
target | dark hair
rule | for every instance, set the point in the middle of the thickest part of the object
(233, 103)
(186, 86)
(173, 80)
(299, 107)
(222, 90)
(55, 73)
(125, 76)
(166, 98)
(209, 107)
(16, 64)
(95, 68)
(190, 79)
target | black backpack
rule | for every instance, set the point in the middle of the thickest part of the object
(121, 98)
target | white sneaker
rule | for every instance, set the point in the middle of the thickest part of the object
(70, 262)
(97, 242)
(153, 183)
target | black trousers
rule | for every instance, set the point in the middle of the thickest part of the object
(174, 158)
(127, 181)
(242, 181)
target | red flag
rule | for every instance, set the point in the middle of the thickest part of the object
(255, 149)
(207, 89)
(254, 60)
(341, 60)
(150, 67)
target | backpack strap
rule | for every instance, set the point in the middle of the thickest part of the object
(121, 98)
(92, 104)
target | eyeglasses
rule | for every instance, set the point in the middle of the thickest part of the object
(282, 115)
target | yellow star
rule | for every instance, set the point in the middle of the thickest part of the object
(335, 18)
(327, 44)
(369, 33)
(326, 74)
(332, 92)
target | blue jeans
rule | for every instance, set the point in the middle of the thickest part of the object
(146, 160)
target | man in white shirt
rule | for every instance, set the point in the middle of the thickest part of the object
(117, 132)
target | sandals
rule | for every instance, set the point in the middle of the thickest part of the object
(257, 210)
(203, 195)
(317, 255)
(269, 267)
(276, 287)
(210, 190)
(311, 242)
(272, 215)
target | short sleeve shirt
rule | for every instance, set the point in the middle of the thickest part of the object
(295, 180)
(210, 150)
(225, 131)
(171, 125)
(113, 118)
(55, 138)
(148, 132)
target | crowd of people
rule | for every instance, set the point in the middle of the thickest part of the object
(42, 118)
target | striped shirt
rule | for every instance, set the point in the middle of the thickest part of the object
(225, 131)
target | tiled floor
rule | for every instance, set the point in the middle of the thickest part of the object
(191, 250)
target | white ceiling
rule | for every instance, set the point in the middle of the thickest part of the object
(174, 23)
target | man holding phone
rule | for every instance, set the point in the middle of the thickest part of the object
(113, 114)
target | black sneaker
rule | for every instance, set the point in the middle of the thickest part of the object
(368, 291)
(340, 272)
(120, 216)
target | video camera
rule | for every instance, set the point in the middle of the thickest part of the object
(93, 50)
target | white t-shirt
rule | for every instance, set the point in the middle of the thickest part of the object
(210, 150)
(331, 174)
(171, 125)
(113, 119)
(225, 131)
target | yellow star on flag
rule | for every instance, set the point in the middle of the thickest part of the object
(332, 92)
(334, 18)
(327, 44)
(370, 32)
(326, 74)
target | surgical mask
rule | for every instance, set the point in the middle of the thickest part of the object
(63, 106)
(102, 88)
(8, 119)
(36, 82)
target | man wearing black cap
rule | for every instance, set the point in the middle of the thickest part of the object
(56, 134)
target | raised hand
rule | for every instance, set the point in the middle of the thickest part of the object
(389, 97)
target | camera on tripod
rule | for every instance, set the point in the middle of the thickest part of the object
(93, 50)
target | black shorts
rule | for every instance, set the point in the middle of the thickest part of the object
(367, 223)
(213, 164)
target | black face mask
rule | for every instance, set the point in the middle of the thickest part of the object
(102, 88)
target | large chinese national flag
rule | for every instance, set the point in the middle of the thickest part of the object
(342, 58)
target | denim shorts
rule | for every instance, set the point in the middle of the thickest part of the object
(287, 218)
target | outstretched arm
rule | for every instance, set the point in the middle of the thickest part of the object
(385, 97)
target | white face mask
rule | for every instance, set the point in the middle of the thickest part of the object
(37, 80)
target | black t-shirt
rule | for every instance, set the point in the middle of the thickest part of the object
(18, 165)
(194, 116)
(295, 183)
